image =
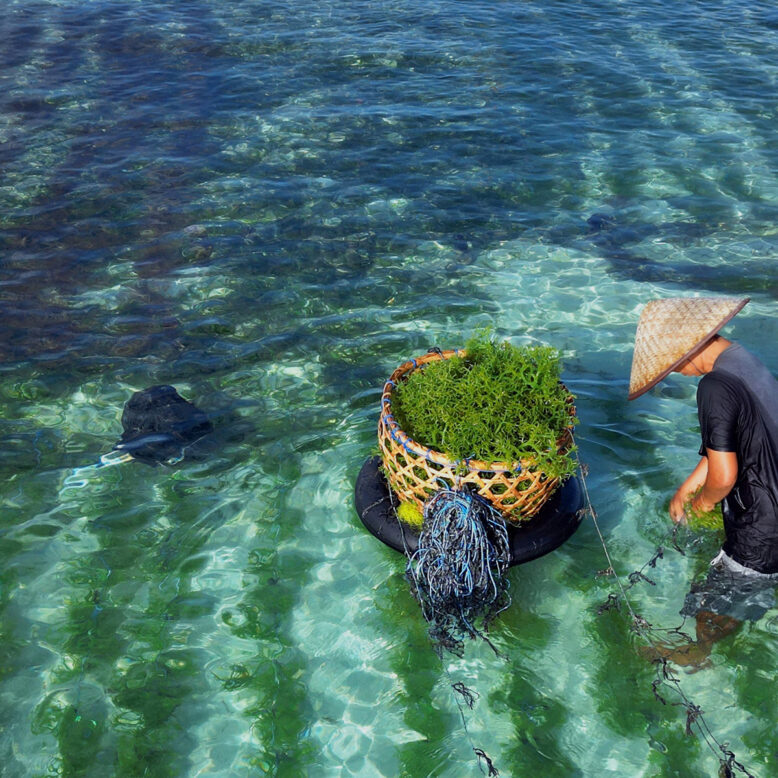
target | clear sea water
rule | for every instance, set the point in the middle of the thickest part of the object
(270, 205)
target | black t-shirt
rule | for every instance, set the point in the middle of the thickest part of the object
(737, 403)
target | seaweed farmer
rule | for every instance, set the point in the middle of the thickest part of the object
(737, 405)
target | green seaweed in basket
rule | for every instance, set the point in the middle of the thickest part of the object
(499, 403)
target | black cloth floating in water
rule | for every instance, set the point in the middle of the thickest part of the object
(159, 425)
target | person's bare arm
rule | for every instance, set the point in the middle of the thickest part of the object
(695, 480)
(721, 477)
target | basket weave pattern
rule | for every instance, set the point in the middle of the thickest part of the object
(416, 472)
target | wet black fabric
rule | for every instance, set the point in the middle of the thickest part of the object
(737, 411)
(159, 425)
(728, 593)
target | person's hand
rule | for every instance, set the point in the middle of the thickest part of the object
(677, 513)
(699, 505)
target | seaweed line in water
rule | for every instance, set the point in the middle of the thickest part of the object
(665, 674)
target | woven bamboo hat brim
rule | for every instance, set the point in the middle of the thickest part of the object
(672, 330)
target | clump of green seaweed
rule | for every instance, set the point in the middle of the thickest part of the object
(411, 514)
(499, 403)
(703, 520)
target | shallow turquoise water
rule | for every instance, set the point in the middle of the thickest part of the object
(270, 206)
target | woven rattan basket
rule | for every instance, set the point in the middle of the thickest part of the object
(415, 472)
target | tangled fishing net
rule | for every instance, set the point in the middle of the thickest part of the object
(457, 572)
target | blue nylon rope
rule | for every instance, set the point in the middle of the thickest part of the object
(458, 571)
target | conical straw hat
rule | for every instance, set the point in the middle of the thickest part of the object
(672, 330)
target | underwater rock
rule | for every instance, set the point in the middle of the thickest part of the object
(460, 243)
(600, 221)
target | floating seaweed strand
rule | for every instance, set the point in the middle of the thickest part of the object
(665, 674)
(467, 698)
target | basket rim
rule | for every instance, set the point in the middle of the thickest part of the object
(437, 457)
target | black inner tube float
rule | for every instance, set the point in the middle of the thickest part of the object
(557, 520)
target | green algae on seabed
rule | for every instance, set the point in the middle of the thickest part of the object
(752, 676)
(128, 655)
(419, 672)
(268, 684)
(623, 674)
(537, 717)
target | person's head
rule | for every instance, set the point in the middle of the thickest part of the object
(673, 333)
(695, 364)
